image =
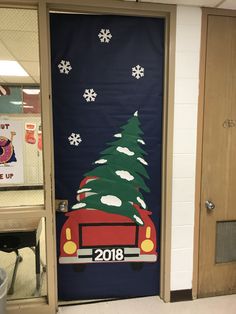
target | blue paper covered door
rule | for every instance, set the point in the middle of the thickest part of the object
(107, 98)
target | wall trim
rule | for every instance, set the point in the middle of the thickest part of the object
(181, 295)
(22, 188)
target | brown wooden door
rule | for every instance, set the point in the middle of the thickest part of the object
(217, 263)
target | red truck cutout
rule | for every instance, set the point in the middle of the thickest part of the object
(94, 236)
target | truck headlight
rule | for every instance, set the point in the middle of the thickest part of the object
(147, 245)
(69, 247)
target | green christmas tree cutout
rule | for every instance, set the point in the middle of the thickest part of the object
(119, 175)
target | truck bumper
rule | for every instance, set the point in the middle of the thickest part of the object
(85, 256)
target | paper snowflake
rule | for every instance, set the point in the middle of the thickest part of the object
(105, 35)
(137, 71)
(90, 95)
(74, 139)
(64, 66)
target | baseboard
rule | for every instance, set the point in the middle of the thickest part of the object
(181, 295)
(21, 188)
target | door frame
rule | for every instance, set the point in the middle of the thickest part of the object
(200, 124)
(48, 304)
(168, 12)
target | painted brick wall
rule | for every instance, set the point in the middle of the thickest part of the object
(184, 155)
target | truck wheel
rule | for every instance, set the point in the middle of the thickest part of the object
(78, 268)
(137, 266)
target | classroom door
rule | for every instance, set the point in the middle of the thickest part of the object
(107, 95)
(217, 263)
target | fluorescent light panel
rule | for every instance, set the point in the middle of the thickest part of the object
(33, 91)
(18, 103)
(11, 68)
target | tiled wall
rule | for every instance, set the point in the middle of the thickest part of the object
(185, 131)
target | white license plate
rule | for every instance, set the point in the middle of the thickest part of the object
(106, 255)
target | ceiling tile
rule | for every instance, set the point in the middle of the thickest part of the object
(37, 79)
(32, 68)
(18, 19)
(19, 41)
(205, 3)
(228, 4)
(18, 79)
(4, 53)
(23, 45)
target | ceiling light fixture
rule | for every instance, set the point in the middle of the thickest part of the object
(11, 68)
(18, 103)
(33, 91)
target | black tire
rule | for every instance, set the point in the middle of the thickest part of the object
(78, 268)
(137, 266)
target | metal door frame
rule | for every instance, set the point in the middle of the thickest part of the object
(41, 305)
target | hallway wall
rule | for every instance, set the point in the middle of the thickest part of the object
(188, 35)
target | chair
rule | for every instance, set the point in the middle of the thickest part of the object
(15, 235)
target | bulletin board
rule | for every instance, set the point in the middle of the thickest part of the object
(11, 152)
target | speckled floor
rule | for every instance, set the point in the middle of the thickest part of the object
(153, 305)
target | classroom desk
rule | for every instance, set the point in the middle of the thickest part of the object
(18, 234)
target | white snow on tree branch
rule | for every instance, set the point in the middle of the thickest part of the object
(101, 161)
(141, 141)
(141, 202)
(91, 179)
(75, 139)
(64, 67)
(83, 190)
(118, 135)
(124, 175)
(138, 72)
(78, 205)
(78, 197)
(105, 35)
(139, 220)
(111, 200)
(125, 150)
(142, 161)
(90, 95)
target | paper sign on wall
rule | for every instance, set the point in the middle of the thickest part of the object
(11, 154)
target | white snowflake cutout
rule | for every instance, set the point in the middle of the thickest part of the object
(64, 66)
(90, 95)
(138, 72)
(105, 35)
(74, 139)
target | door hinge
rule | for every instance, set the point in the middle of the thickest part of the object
(61, 206)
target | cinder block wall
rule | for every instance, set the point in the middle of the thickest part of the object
(188, 35)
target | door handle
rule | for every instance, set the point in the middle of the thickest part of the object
(209, 205)
(61, 206)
